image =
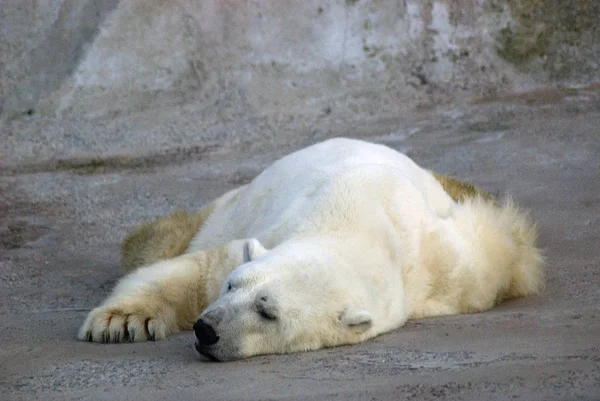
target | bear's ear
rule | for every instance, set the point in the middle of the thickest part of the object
(253, 250)
(356, 319)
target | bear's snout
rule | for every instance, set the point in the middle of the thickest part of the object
(205, 333)
(204, 327)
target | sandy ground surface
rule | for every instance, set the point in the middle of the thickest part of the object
(61, 224)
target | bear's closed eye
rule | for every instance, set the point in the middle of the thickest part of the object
(265, 315)
(265, 311)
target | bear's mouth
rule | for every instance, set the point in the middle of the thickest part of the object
(203, 350)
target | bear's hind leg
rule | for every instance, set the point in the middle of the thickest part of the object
(460, 191)
(169, 236)
(164, 238)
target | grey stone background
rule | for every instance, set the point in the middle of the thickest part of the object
(114, 112)
(99, 76)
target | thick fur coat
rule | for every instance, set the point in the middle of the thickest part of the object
(331, 245)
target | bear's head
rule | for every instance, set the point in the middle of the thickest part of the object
(291, 298)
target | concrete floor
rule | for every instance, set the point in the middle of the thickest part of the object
(61, 224)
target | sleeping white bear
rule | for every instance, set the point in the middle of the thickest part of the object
(331, 245)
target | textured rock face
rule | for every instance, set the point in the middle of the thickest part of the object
(553, 39)
(109, 57)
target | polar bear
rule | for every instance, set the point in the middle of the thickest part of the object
(333, 244)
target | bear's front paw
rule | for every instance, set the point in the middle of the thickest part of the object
(124, 322)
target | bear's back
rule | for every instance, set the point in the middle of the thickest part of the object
(276, 203)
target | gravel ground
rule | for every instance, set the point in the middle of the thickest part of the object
(61, 221)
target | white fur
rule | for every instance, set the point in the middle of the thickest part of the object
(345, 222)
(352, 239)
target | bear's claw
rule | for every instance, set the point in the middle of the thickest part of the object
(114, 325)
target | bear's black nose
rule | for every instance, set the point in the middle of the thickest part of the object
(205, 333)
